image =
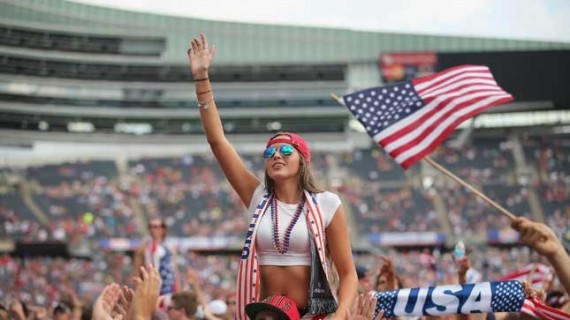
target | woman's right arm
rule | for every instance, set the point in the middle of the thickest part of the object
(242, 180)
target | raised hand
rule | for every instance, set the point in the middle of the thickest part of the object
(387, 270)
(106, 302)
(76, 303)
(200, 56)
(192, 277)
(126, 299)
(17, 309)
(537, 236)
(363, 308)
(146, 294)
(463, 265)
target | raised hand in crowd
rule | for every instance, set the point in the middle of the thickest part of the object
(39, 313)
(75, 303)
(17, 309)
(463, 265)
(387, 278)
(145, 297)
(104, 306)
(193, 280)
(124, 307)
(542, 239)
(363, 308)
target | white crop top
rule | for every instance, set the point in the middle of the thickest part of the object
(299, 250)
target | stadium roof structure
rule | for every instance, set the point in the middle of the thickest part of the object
(69, 65)
(243, 43)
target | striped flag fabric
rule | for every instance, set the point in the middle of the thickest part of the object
(537, 309)
(410, 119)
(539, 275)
(484, 297)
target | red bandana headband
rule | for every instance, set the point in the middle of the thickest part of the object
(295, 140)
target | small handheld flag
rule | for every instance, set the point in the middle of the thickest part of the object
(537, 274)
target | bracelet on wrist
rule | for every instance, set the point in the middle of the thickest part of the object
(201, 79)
(205, 104)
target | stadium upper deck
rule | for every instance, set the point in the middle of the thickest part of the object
(57, 55)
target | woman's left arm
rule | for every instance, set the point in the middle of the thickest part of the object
(341, 253)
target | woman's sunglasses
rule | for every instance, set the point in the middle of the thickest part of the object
(285, 150)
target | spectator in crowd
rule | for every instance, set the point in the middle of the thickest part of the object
(364, 281)
(153, 251)
(218, 308)
(3, 312)
(286, 190)
(182, 306)
(62, 312)
(19, 310)
(387, 278)
(231, 302)
(273, 308)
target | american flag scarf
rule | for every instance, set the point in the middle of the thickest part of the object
(248, 275)
(484, 297)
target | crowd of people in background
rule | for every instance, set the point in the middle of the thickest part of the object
(89, 201)
(83, 200)
(56, 288)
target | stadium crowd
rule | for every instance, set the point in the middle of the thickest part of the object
(93, 200)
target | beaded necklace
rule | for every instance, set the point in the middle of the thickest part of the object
(275, 217)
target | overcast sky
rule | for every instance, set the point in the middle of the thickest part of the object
(518, 19)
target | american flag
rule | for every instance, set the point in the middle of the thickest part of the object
(410, 119)
(539, 275)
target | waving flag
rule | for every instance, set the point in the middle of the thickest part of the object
(410, 119)
(507, 296)
(538, 274)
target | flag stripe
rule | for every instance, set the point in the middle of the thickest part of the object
(528, 308)
(448, 123)
(240, 297)
(452, 87)
(434, 130)
(440, 111)
(425, 82)
(536, 308)
(411, 160)
(426, 111)
(463, 78)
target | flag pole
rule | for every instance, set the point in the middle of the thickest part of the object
(439, 167)
(470, 187)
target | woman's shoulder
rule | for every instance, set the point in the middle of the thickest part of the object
(329, 203)
(326, 195)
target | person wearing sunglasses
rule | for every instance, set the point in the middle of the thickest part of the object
(154, 251)
(297, 244)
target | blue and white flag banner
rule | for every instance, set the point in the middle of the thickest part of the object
(499, 296)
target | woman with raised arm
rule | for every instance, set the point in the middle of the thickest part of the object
(296, 229)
